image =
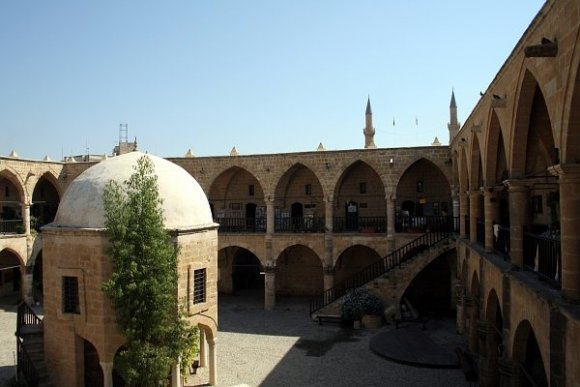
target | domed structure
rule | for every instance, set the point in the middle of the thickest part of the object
(184, 203)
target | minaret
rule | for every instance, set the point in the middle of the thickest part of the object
(369, 131)
(453, 125)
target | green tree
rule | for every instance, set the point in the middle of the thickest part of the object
(143, 286)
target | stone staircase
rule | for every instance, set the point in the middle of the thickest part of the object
(30, 348)
(389, 277)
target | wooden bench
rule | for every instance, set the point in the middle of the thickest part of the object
(330, 318)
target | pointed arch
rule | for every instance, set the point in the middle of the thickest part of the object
(353, 259)
(495, 160)
(463, 170)
(45, 200)
(527, 351)
(570, 138)
(14, 180)
(299, 272)
(476, 176)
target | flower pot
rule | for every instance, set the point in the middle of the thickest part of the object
(371, 321)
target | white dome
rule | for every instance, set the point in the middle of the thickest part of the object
(185, 205)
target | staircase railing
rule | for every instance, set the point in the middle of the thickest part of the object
(378, 268)
(26, 316)
(25, 367)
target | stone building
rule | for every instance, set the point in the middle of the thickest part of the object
(81, 336)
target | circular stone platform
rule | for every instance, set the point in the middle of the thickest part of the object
(413, 346)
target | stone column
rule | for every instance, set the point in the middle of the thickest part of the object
(269, 216)
(202, 349)
(509, 373)
(390, 223)
(107, 368)
(518, 205)
(488, 355)
(569, 181)
(455, 203)
(269, 287)
(175, 375)
(25, 208)
(328, 277)
(463, 212)
(474, 214)
(488, 210)
(328, 213)
(212, 361)
(460, 315)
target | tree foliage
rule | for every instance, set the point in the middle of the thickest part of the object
(143, 286)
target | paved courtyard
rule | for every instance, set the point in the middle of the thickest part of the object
(284, 348)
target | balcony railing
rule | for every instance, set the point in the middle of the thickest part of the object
(467, 226)
(15, 226)
(363, 224)
(421, 224)
(480, 232)
(501, 240)
(542, 255)
(241, 225)
(299, 224)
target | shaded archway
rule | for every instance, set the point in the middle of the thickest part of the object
(240, 272)
(299, 272)
(473, 314)
(430, 293)
(423, 192)
(11, 270)
(118, 380)
(45, 201)
(11, 199)
(491, 341)
(352, 260)
(299, 204)
(93, 374)
(359, 200)
(237, 199)
(527, 352)
(571, 135)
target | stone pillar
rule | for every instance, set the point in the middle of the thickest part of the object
(472, 313)
(175, 375)
(107, 368)
(25, 208)
(455, 203)
(518, 205)
(269, 216)
(569, 181)
(269, 287)
(491, 216)
(202, 349)
(474, 214)
(328, 277)
(463, 212)
(390, 223)
(460, 315)
(328, 213)
(212, 361)
(488, 354)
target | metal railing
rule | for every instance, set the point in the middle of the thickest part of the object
(15, 226)
(364, 224)
(542, 255)
(378, 268)
(26, 316)
(299, 224)
(501, 240)
(404, 223)
(241, 225)
(25, 366)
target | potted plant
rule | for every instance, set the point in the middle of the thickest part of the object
(360, 304)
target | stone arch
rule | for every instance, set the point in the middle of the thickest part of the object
(473, 313)
(352, 260)
(495, 170)
(476, 175)
(570, 136)
(464, 171)
(359, 192)
(299, 194)
(45, 200)
(93, 373)
(532, 127)
(492, 306)
(13, 196)
(299, 272)
(430, 289)
(239, 270)
(12, 272)
(527, 352)
(424, 184)
(14, 178)
(491, 341)
(232, 193)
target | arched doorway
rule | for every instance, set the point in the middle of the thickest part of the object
(118, 380)
(10, 205)
(299, 272)
(93, 372)
(297, 216)
(526, 351)
(240, 272)
(430, 293)
(45, 201)
(251, 216)
(10, 278)
(352, 260)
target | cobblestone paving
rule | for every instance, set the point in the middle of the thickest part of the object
(284, 348)
(7, 343)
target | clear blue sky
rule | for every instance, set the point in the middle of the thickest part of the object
(265, 76)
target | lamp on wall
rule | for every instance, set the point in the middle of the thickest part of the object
(391, 161)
